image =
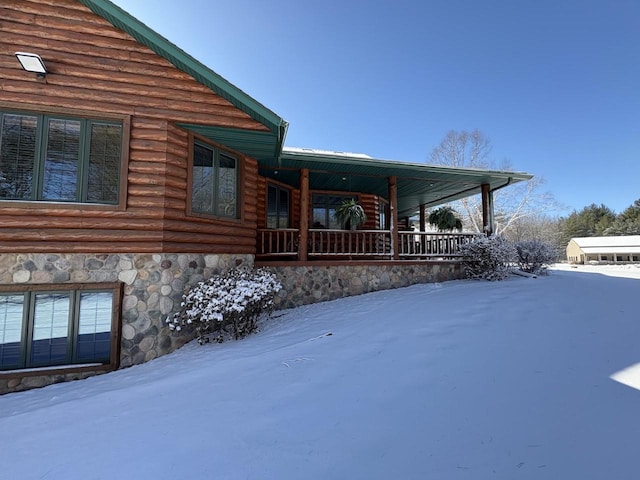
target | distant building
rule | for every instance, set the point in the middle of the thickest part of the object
(604, 249)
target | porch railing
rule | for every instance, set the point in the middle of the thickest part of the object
(424, 244)
(277, 242)
(326, 243)
(349, 243)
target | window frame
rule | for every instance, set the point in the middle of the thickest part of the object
(64, 113)
(217, 151)
(75, 291)
(279, 189)
(384, 216)
(327, 206)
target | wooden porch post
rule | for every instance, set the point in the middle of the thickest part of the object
(393, 216)
(304, 215)
(423, 218)
(487, 209)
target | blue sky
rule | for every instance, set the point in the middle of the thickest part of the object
(555, 84)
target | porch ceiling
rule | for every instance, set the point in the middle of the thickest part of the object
(417, 183)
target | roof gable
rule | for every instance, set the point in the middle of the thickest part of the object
(186, 63)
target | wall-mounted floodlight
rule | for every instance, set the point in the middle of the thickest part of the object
(32, 63)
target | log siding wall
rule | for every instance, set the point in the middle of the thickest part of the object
(98, 71)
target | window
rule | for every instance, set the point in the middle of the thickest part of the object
(61, 159)
(214, 188)
(57, 327)
(324, 209)
(277, 207)
(383, 216)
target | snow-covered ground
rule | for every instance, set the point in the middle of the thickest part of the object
(460, 380)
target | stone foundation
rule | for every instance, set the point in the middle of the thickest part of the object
(318, 283)
(154, 284)
(153, 288)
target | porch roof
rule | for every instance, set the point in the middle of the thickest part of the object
(417, 183)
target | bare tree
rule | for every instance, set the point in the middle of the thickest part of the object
(511, 204)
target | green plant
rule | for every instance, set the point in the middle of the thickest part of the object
(350, 215)
(445, 219)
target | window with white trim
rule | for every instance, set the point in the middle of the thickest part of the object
(45, 328)
(59, 158)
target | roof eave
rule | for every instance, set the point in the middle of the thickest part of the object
(409, 166)
(122, 20)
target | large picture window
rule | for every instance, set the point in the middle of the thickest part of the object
(62, 159)
(277, 207)
(324, 209)
(214, 182)
(54, 328)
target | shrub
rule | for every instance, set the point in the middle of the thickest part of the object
(228, 303)
(534, 256)
(488, 258)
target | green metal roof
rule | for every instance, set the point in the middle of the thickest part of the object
(204, 75)
(263, 146)
(417, 183)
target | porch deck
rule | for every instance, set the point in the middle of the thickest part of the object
(375, 245)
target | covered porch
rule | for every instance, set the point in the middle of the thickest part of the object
(302, 188)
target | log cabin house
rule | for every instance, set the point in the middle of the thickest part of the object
(130, 171)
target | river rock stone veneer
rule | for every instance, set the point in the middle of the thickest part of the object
(153, 285)
(306, 284)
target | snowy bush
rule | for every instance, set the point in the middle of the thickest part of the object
(488, 258)
(230, 302)
(534, 256)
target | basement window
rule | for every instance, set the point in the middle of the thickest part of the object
(57, 327)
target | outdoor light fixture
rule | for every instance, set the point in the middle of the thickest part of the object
(32, 63)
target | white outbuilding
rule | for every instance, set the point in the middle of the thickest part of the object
(604, 249)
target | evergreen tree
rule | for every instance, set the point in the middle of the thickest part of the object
(591, 221)
(627, 223)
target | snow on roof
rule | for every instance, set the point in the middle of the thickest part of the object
(316, 151)
(619, 241)
(605, 250)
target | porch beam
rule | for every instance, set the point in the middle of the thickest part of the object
(304, 215)
(393, 216)
(487, 209)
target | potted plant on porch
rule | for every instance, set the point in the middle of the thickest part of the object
(350, 215)
(445, 219)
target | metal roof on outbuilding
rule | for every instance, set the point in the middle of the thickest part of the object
(613, 244)
(618, 241)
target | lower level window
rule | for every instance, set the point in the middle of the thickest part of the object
(52, 328)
